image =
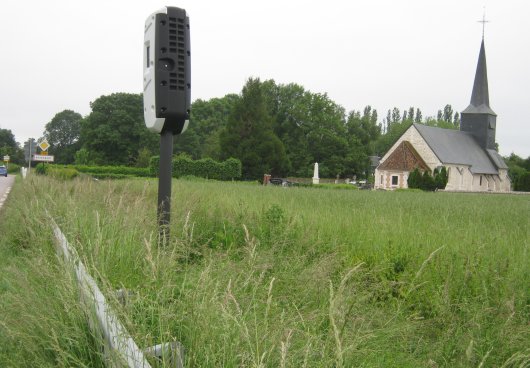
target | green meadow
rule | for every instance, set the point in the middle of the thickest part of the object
(257, 276)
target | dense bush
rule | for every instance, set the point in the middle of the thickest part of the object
(203, 168)
(62, 173)
(110, 176)
(41, 169)
(55, 171)
(13, 168)
(112, 171)
(425, 181)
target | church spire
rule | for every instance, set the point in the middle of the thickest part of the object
(480, 99)
(478, 118)
(480, 95)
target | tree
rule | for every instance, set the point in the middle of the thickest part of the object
(456, 120)
(82, 157)
(418, 118)
(448, 113)
(385, 141)
(415, 179)
(114, 131)
(523, 183)
(9, 147)
(427, 182)
(250, 138)
(518, 169)
(62, 133)
(207, 119)
(440, 178)
(396, 116)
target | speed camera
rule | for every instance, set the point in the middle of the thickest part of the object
(166, 67)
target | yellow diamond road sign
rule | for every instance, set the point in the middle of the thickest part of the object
(44, 145)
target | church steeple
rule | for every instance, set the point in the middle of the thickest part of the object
(480, 97)
(478, 118)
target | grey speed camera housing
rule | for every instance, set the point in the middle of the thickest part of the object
(167, 75)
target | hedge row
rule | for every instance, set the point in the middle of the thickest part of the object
(203, 168)
(112, 171)
(182, 166)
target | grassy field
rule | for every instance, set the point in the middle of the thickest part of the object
(272, 277)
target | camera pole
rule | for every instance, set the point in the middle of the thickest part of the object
(164, 183)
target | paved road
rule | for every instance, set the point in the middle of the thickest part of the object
(5, 187)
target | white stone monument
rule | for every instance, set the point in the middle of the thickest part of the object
(316, 179)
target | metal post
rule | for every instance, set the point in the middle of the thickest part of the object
(29, 159)
(164, 183)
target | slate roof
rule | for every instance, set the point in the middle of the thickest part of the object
(457, 147)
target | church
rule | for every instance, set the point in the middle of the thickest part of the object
(469, 154)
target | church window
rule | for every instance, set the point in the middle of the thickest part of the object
(480, 183)
(395, 179)
(381, 179)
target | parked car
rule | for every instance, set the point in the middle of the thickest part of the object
(280, 181)
(3, 171)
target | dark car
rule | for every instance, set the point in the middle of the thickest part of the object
(3, 171)
(280, 181)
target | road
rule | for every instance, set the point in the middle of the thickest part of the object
(5, 187)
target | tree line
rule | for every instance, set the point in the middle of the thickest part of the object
(279, 129)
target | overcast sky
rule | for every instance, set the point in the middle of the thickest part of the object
(64, 54)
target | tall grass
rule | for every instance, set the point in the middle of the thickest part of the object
(41, 324)
(266, 276)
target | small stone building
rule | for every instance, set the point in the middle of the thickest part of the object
(468, 154)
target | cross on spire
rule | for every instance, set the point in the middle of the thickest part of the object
(483, 21)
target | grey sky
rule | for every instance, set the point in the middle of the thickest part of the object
(63, 54)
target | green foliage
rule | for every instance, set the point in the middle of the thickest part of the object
(272, 277)
(13, 168)
(115, 131)
(113, 171)
(207, 168)
(425, 181)
(523, 182)
(62, 133)
(208, 118)
(518, 169)
(82, 157)
(62, 173)
(56, 171)
(41, 168)
(414, 180)
(440, 178)
(8, 146)
(144, 155)
(249, 136)
(387, 140)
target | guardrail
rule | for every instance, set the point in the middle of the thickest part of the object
(119, 347)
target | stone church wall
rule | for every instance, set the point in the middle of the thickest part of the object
(414, 137)
(461, 178)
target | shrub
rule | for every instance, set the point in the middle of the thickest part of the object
(57, 172)
(110, 176)
(414, 181)
(111, 171)
(425, 181)
(41, 168)
(13, 168)
(61, 173)
(204, 168)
